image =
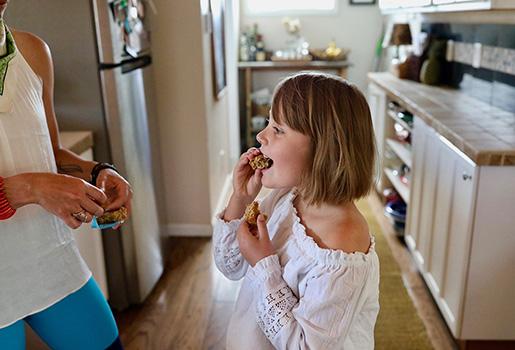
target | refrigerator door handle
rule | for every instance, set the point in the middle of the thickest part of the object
(129, 64)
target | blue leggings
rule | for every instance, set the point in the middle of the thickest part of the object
(82, 320)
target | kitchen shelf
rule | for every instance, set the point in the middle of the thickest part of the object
(398, 185)
(401, 150)
(394, 116)
(247, 71)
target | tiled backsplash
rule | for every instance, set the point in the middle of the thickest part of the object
(494, 81)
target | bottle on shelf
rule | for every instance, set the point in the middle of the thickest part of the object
(260, 48)
(252, 42)
(248, 43)
(244, 48)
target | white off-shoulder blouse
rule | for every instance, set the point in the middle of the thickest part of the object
(303, 297)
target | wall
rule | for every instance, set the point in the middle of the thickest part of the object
(221, 116)
(355, 27)
(194, 126)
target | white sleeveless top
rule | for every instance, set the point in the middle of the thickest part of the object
(39, 260)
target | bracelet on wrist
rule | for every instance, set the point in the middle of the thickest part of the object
(98, 168)
(6, 211)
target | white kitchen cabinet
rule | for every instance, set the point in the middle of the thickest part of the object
(440, 218)
(460, 225)
(452, 287)
(460, 222)
(489, 310)
(449, 249)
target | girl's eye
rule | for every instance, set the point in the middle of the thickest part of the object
(277, 130)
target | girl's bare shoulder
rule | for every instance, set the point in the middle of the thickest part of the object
(350, 234)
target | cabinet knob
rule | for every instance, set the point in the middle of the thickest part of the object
(466, 176)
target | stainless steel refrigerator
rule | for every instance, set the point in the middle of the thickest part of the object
(103, 83)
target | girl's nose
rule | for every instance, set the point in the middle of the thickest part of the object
(260, 137)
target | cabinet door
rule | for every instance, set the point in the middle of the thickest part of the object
(449, 248)
(417, 174)
(458, 240)
(377, 104)
(442, 215)
(420, 212)
(427, 199)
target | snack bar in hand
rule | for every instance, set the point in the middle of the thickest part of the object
(115, 216)
(260, 162)
(251, 214)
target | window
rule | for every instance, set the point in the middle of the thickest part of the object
(289, 7)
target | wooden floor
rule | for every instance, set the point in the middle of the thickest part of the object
(189, 308)
(191, 305)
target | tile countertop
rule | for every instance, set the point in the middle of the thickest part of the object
(76, 141)
(486, 134)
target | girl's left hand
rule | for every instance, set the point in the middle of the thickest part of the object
(116, 188)
(255, 246)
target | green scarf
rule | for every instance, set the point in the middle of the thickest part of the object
(4, 61)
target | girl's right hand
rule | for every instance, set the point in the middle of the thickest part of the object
(61, 195)
(247, 182)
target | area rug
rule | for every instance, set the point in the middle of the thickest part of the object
(398, 325)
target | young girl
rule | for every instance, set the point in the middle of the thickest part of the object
(311, 271)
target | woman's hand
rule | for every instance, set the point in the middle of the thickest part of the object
(64, 195)
(255, 246)
(116, 188)
(246, 181)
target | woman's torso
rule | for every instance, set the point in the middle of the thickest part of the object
(39, 261)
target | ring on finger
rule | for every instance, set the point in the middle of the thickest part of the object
(81, 216)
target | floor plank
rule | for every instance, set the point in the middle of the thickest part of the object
(190, 306)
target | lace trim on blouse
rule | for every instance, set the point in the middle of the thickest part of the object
(277, 299)
(230, 258)
(226, 249)
(274, 311)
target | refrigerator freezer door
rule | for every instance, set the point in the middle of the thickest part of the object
(142, 235)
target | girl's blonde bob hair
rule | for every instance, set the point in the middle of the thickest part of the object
(336, 117)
